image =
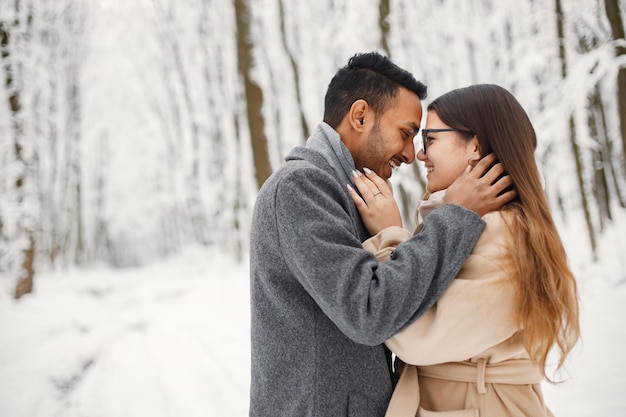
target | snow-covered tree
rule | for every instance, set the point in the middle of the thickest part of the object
(131, 129)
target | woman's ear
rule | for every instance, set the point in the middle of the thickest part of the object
(475, 145)
(473, 151)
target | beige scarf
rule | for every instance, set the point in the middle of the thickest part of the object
(424, 207)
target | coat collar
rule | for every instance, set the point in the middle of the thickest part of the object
(327, 142)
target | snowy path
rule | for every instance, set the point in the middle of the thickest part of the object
(171, 340)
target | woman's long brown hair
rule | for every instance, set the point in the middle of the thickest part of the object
(547, 296)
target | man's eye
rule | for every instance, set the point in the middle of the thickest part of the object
(408, 134)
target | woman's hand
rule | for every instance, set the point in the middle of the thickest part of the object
(376, 204)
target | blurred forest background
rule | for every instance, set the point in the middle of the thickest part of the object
(130, 129)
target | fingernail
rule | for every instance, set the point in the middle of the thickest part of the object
(355, 173)
(350, 188)
(367, 170)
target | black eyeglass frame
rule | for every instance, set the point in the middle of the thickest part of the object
(425, 133)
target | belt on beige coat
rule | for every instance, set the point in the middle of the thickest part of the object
(515, 372)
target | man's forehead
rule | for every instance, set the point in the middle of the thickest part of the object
(414, 127)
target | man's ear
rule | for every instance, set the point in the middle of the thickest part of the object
(358, 115)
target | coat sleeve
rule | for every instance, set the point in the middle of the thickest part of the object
(385, 242)
(475, 313)
(367, 301)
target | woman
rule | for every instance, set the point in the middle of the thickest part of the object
(482, 349)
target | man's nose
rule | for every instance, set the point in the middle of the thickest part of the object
(408, 153)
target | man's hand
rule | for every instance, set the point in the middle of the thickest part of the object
(481, 189)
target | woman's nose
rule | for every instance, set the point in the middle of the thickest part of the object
(421, 155)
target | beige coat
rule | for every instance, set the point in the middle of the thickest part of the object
(467, 349)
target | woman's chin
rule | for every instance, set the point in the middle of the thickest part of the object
(433, 188)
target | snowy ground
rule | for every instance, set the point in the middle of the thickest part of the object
(172, 340)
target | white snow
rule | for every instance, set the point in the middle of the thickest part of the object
(169, 339)
(172, 339)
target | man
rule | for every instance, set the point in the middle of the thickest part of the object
(321, 305)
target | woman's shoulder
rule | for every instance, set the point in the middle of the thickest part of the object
(496, 234)
(498, 216)
(499, 221)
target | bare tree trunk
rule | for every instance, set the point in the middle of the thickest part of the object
(407, 207)
(613, 13)
(606, 144)
(173, 138)
(239, 201)
(75, 167)
(600, 182)
(194, 202)
(572, 133)
(53, 136)
(26, 272)
(383, 23)
(102, 245)
(253, 94)
(185, 182)
(294, 69)
(26, 279)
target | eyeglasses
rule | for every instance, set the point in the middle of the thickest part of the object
(425, 133)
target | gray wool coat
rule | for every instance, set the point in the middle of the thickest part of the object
(321, 305)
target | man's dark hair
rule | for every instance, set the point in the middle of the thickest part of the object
(371, 77)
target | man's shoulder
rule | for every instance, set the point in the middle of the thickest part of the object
(303, 156)
(301, 164)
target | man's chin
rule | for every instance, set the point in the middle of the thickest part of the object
(385, 173)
